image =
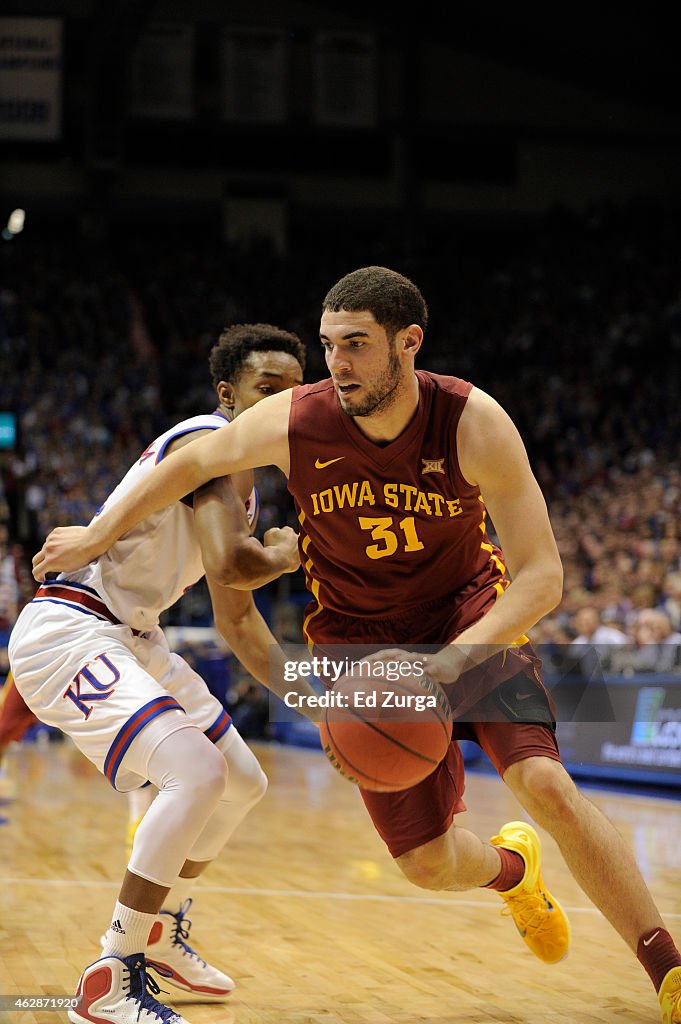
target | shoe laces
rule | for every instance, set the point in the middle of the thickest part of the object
(143, 989)
(530, 911)
(181, 930)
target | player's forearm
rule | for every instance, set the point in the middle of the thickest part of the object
(251, 641)
(532, 594)
(71, 547)
(179, 474)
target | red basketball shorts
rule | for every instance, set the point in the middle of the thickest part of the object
(502, 706)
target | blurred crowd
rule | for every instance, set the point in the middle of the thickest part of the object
(573, 322)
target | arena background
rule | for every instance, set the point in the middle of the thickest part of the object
(183, 166)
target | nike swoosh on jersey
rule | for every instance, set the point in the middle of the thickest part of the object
(323, 465)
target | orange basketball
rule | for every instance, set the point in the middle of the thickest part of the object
(386, 736)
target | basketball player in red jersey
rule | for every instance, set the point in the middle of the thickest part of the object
(393, 471)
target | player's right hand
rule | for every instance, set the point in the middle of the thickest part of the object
(287, 539)
(66, 548)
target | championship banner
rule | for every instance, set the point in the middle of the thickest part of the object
(345, 79)
(31, 62)
(253, 76)
(162, 72)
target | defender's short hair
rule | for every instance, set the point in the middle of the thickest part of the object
(235, 344)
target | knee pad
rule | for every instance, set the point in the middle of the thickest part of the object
(246, 781)
(190, 775)
(246, 785)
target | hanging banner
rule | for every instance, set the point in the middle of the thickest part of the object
(253, 76)
(31, 63)
(162, 72)
(345, 79)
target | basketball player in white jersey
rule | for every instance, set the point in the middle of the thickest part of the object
(88, 656)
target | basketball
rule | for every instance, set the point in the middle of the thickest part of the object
(386, 736)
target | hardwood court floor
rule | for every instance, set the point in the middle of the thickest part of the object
(307, 912)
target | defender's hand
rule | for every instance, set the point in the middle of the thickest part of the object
(286, 539)
(65, 549)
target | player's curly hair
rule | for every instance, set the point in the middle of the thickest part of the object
(393, 299)
(235, 344)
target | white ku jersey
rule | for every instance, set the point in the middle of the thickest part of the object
(151, 566)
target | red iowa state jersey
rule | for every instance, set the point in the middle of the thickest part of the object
(384, 528)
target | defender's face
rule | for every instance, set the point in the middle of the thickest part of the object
(263, 374)
(362, 361)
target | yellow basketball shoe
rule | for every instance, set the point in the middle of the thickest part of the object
(539, 918)
(670, 997)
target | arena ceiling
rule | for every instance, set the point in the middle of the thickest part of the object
(628, 51)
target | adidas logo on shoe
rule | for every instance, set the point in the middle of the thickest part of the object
(116, 926)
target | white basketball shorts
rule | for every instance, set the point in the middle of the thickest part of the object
(101, 685)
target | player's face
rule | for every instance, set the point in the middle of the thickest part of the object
(363, 361)
(263, 374)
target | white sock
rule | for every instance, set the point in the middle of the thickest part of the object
(128, 932)
(180, 891)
